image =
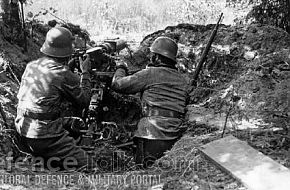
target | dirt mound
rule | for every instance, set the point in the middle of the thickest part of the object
(248, 64)
(13, 60)
(244, 85)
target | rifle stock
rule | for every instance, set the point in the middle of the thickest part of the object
(205, 52)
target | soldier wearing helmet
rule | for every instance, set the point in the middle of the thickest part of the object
(47, 84)
(163, 96)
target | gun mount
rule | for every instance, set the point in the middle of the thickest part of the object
(110, 117)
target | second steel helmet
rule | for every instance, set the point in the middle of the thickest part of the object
(58, 42)
(165, 46)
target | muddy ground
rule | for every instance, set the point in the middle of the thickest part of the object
(246, 76)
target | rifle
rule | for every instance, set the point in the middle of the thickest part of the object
(205, 52)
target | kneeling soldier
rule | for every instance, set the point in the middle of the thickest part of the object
(46, 84)
(163, 96)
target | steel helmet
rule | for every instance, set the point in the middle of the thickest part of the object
(58, 42)
(165, 46)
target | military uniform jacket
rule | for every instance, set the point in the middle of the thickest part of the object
(161, 88)
(45, 85)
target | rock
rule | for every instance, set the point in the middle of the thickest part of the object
(249, 55)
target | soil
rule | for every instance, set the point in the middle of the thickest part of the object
(246, 76)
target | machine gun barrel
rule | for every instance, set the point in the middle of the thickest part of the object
(109, 46)
(206, 50)
(112, 46)
(103, 53)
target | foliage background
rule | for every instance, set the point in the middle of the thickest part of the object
(115, 17)
(127, 17)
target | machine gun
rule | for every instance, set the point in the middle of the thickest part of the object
(103, 53)
(109, 117)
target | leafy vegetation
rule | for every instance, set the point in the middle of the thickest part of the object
(107, 17)
(130, 16)
(272, 12)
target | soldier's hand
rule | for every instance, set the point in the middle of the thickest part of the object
(72, 64)
(85, 65)
(121, 64)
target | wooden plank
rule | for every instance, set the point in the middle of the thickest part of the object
(252, 168)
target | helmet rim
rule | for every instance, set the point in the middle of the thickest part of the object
(167, 49)
(55, 51)
(58, 43)
(163, 53)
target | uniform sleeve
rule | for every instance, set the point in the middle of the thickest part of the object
(130, 84)
(77, 90)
